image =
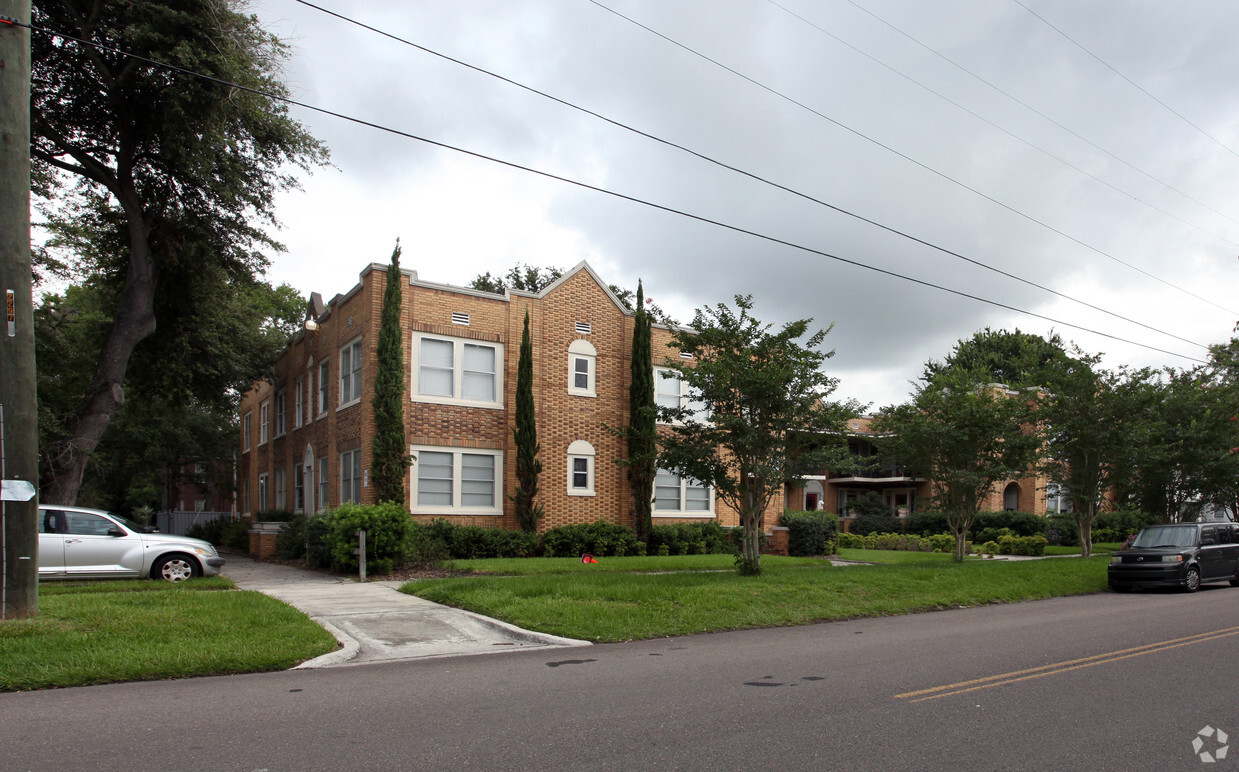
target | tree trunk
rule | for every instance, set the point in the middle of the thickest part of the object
(135, 321)
(750, 544)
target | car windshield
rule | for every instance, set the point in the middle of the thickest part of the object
(1165, 536)
(132, 526)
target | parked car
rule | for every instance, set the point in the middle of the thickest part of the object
(75, 542)
(1182, 554)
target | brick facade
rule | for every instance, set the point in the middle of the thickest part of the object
(575, 312)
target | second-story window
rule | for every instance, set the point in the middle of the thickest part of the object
(281, 410)
(350, 373)
(456, 370)
(582, 368)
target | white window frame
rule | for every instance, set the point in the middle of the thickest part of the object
(581, 451)
(281, 412)
(281, 489)
(264, 422)
(1061, 496)
(350, 476)
(351, 376)
(247, 430)
(324, 483)
(263, 489)
(298, 488)
(681, 511)
(298, 402)
(458, 358)
(324, 385)
(582, 353)
(455, 508)
(662, 389)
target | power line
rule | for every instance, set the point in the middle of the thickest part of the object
(1008, 132)
(908, 158)
(1035, 111)
(735, 169)
(1134, 84)
(596, 189)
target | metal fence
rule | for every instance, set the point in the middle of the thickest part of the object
(179, 523)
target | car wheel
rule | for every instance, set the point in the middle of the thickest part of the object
(1234, 582)
(1121, 587)
(175, 568)
(1191, 582)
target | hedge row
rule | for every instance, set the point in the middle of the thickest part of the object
(394, 540)
(988, 526)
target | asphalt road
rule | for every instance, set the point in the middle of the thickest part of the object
(1096, 682)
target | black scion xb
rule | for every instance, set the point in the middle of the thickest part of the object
(1179, 554)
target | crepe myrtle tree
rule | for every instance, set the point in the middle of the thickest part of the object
(756, 413)
(964, 435)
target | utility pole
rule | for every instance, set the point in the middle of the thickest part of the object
(19, 459)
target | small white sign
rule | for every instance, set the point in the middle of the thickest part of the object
(16, 490)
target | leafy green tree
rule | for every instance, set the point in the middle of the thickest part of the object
(1090, 421)
(765, 393)
(1181, 456)
(965, 437)
(143, 453)
(389, 448)
(179, 173)
(519, 277)
(1016, 359)
(528, 466)
(642, 433)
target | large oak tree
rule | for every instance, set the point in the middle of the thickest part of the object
(182, 170)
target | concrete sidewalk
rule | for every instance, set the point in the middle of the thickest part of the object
(374, 622)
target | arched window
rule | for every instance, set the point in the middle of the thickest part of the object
(582, 368)
(1011, 497)
(580, 469)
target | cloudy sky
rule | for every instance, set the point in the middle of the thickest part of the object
(1089, 148)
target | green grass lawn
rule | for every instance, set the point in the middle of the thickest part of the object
(108, 631)
(613, 601)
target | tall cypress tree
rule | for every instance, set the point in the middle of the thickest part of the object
(389, 449)
(642, 435)
(528, 467)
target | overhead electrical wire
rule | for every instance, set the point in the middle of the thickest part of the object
(1034, 110)
(908, 158)
(1136, 85)
(1005, 130)
(729, 167)
(594, 188)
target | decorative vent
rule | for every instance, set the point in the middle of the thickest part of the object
(460, 318)
(584, 328)
(686, 355)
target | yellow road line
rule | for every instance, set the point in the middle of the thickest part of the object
(1028, 674)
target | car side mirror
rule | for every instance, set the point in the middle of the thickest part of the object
(114, 531)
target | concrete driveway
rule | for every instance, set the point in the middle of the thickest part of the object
(374, 622)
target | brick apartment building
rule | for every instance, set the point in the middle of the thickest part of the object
(306, 433)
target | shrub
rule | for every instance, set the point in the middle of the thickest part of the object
(471, 541)
(992, 534)
(703, 538)
(290, 542)
(926, 523)
(386, 526)
(809, 533)
(990, 548)
(1018, 523)
(304, 536)
(600, 538)
(1122, 523)
(850, 541)
(876, 523)
(223, 532)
